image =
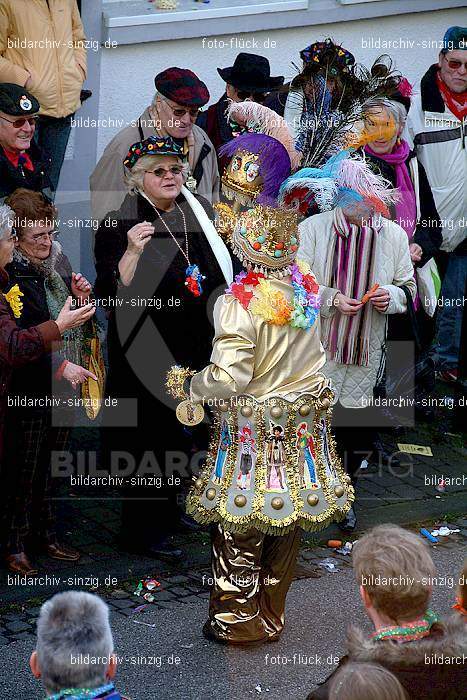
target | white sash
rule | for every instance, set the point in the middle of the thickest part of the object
(215, 241)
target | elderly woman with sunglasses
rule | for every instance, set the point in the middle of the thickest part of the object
(38, 427)
(21, 162)
(160, 267)
(22, 346)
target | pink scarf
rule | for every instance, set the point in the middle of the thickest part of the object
(406, 208)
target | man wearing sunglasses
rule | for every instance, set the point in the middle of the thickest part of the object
(173, 112)
(437, 127)
(248, 79)
(21, 162)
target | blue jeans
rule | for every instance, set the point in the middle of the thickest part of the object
(449, 322)
(52, 138)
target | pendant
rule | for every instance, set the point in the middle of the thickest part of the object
(190, 413)
(191, 184)
(193, 280)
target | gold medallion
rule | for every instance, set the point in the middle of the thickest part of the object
(190, 413)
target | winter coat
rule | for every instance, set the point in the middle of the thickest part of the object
(428, 232)
(11, 178)
(393, 268)
(439, 140)
(36, 379)
(433, 667)
(19, 346)
(107, 184)
(54, 56)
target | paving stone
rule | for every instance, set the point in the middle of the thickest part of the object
(34, 611)
(4, 641)
(13, 617)
(179, 578)
(179, 591)
(17, 626)
(122, 604)
(119, 595)
(164, 596)
(22, 635)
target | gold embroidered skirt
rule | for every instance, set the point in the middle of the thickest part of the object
(272, 466)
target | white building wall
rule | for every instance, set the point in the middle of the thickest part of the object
(127, 72)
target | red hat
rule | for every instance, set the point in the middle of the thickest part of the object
(182, 86)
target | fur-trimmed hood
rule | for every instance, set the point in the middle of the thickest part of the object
(447, 638)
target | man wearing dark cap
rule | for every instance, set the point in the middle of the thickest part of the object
(21, 163)
(248, 79)
(437, 128)
(324, 57)
(173, 112)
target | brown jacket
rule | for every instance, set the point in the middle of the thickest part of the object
(17, 347)
(107, 184)
(44, 39)
(434, 667)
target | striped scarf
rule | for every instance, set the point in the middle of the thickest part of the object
(349, 269)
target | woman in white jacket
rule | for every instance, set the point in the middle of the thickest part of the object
(350, 251)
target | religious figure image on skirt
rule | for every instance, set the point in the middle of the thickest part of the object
(270, 397)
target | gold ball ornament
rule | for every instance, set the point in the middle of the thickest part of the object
(198, 484)
(246, 411)
(276, 411)
(211, 494)
(325, 403)
(339, 491)
(277, 503)
(312, 499)
(305, 409)
(240, 501)
(348, 478)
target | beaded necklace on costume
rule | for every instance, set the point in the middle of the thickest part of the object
(410, 632)
(193, 277)
(84, 693)
(272, 305)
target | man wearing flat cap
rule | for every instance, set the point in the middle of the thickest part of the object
(173, 112)
(21, 162)
(248, 79)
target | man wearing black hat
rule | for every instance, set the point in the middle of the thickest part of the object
(173, 112)
(21, 163)
(248, 79)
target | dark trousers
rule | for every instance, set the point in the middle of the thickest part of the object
(29, 508)
(52, 138)
(355, 436)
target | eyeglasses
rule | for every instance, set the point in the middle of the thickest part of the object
(455, 65)
(13, 236)
(162, 172)
(18, 123)
(259, 97)
(44, 236)
(181, 111)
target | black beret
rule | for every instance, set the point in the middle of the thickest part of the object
(16, 101)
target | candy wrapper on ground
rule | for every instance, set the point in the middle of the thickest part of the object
(145, 587)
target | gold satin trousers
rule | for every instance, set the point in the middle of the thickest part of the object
(252, 573)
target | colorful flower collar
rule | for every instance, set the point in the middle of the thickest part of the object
(256, 294)
(85, 693)
(409, 632)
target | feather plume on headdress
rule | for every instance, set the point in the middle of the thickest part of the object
(331, 125)
(260, 119)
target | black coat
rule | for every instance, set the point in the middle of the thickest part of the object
(11, 178)
(36, 379)
(428, 232)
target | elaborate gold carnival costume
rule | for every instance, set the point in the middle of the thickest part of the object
(272, 467)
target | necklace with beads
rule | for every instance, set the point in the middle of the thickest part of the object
(84, 693)
(410, 632)
(193, 276)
